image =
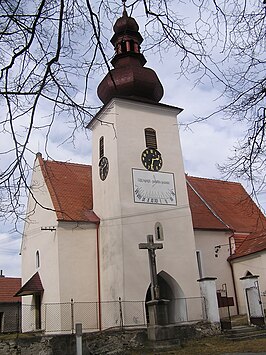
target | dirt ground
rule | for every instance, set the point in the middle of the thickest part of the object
(211, 346)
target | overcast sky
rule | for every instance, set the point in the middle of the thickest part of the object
(204, 144)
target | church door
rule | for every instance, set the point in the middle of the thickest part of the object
(170, 290)
(38, 318)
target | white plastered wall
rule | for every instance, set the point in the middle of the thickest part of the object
(77, 262)
(256, 265)
(44, 241)
(216, 264)
(68, 267)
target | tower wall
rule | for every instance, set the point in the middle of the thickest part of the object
(125, 222)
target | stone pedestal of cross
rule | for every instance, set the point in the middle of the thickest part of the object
(157, 307)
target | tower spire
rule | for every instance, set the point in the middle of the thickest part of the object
(129, 78)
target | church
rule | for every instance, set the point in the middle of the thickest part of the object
(85, 223)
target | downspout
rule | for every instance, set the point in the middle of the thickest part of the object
(233, 275)
(98, 275)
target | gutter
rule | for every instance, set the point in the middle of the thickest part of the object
(233, 275)
(98, 275)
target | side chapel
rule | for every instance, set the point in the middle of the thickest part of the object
(81, 239)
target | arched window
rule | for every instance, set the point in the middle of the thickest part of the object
(101, 147)
(123, 47)
(150, 138)
(132, 45)
(37, 259)
(158, 231)
(199, 262)
(248, 273)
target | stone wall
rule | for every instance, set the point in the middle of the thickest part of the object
(100, 343)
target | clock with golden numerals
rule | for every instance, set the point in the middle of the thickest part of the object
(103, 168)
(152, 160)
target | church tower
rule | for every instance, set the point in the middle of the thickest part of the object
(138, 179)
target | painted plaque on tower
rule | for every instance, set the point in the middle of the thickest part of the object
(154, 187)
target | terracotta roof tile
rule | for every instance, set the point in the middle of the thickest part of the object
(202, 216)
(32, 286)
(251, 244)
(217, 204)
(8, 287)
(70, 187)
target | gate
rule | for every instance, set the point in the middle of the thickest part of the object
(224, 304)
(255, 306)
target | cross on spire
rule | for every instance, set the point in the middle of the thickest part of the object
(124, 5)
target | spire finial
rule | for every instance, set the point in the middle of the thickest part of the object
(124, 6)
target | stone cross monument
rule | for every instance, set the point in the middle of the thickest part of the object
(151, 247)
(157, 307)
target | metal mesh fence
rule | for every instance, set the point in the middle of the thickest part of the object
(62, 317)
(57, 317)
(86, 313)
(263, 300)
(10, 317)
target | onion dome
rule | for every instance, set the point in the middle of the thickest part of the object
(125, 22)
(129, 78)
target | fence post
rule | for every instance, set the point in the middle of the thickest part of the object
(79, 338)
(72, 315)
(45, 316)
(121, 313)
(208, 292)
(18, 326)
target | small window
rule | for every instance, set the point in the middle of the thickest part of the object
(158, 231)
(198, 256)
(150, 138)
(101, 147)
(37, 259)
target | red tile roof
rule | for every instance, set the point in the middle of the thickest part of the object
(251, 244)
(32, 286)
(70, 187)
(8, 287)
(217, 204)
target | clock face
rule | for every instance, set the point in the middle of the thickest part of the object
(154, 187)
(152, 160)
(103, 168)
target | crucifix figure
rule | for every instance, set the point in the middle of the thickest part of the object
(151, 247)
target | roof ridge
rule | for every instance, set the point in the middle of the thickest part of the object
(65, 162)
(207, 205)
(49, 182)
(213, 179)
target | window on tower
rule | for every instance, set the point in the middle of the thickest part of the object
(123, 47)
(158, 231)
(101, 147)
(37, 259)
(150, 138)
